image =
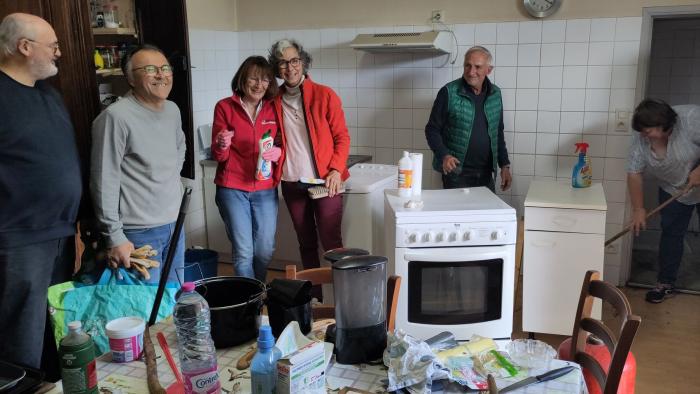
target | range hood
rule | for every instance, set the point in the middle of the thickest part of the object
(428, 42)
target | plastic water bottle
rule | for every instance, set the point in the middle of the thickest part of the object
(78, 367)
(196, 348)
(263, 368)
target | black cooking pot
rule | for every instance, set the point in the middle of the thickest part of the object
(235, 303)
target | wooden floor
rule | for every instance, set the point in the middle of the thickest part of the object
(667, 346)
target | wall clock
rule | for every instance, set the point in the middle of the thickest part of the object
(541, 8)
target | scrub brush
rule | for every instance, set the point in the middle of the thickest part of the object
(316, 192)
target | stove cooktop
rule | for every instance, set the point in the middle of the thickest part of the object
(451, 202)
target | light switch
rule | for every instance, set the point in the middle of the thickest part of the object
(621, 121)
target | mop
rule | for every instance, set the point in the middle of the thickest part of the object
(673, 198)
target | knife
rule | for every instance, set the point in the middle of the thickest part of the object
(553, 374)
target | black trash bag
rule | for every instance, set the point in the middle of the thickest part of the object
(289, 300)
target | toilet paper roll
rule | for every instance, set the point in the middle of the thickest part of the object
(417, 186)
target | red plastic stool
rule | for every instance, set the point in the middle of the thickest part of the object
(602, 355)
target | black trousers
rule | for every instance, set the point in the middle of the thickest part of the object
(26, 273)
(469, 178)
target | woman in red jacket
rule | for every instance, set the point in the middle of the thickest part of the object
(248, 201)
(316, 143)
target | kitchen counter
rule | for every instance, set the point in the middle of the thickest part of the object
(550, 194)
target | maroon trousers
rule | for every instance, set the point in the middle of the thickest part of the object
(311, 217)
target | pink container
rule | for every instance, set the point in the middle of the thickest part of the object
(125, 338)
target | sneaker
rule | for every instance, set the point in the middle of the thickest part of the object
(660, 293)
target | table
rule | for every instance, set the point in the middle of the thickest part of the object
(130, 378)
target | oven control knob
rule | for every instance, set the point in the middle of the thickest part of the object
(413, 237)
(428, 237)
(441, 236)
(498, 235)
(467, 235)
(453, 237)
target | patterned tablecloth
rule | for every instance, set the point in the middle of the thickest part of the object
(130, 378)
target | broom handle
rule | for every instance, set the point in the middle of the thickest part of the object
(653, 212)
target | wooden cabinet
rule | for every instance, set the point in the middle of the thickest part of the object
(159, 22)
(564, 238)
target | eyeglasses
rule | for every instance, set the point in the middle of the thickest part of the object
(152, 70)
(255, 81)
(295, 62)
(53, 46)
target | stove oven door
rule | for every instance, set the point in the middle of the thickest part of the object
(466, 290)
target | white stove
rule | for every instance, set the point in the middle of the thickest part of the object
(456, 257)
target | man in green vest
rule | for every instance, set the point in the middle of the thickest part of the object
(465, 129)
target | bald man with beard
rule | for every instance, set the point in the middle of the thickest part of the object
(40, 186)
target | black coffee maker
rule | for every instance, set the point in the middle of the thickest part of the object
(359, 289)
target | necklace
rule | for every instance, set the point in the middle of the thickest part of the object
(292, 100)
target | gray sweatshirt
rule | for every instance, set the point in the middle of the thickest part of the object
(137, 154)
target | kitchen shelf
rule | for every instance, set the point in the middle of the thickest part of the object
(108, 72)
(118, 31)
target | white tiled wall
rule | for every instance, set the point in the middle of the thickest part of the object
(562, 81)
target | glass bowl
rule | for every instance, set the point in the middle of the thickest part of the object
(530, 353)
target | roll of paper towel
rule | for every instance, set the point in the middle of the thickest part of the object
(417, 186)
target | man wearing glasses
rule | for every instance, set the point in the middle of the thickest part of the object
(138, 148)
(40, 186)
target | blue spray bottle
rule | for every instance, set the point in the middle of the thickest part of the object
(582, 174)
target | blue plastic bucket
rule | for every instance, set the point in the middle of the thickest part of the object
(205, 260)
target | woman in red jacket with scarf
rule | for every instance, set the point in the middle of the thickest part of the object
(317, 144)
(248, 205)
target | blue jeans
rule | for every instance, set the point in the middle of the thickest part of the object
(251, 222)
(674, 224)
(159, 239)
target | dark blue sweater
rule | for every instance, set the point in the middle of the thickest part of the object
(40, 176)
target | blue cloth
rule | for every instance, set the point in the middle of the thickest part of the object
(159, 238)
(251, 221)
(675, 218)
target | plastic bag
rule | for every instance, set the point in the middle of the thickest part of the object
(108, 299)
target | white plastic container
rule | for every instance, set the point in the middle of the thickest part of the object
(405, 175)
(125, 338)
(417, 181)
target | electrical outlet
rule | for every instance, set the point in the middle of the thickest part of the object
(438, 16)
(621, 121)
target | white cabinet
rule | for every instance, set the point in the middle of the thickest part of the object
(564, 238)
(216, 230)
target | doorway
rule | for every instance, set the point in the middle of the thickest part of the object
(673, 75)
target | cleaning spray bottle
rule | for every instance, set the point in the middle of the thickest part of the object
(263, 170)
(582, 174)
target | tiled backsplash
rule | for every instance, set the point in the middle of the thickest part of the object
(562, 81)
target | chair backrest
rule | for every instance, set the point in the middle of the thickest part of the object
(393, 284)
(493, 389)
(618, 344)
(324, 275)
(317, 276)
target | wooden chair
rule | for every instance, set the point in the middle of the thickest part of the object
(617, 344)
(324, 275)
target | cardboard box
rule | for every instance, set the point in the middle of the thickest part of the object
(302, 371)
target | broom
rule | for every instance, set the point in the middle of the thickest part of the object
(673, 198)
(149, 352)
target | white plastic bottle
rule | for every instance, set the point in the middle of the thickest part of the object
(405, 175)
(196, 348)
